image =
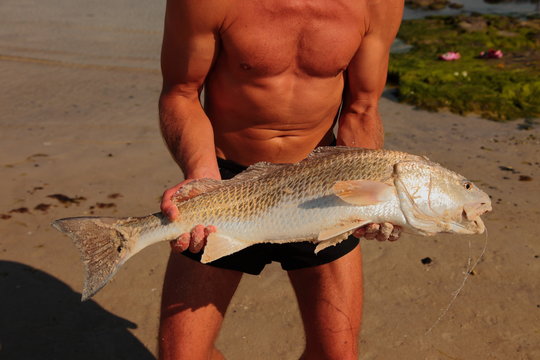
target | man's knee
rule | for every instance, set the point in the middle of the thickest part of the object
(195, 298)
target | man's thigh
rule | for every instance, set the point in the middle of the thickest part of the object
(194, 301)
(330, 300)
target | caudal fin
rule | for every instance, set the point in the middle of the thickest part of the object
(103, 248)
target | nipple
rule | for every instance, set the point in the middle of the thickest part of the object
(245, 66)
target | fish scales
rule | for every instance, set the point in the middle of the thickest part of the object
(321, 199)
(289, 183)
(243, 208)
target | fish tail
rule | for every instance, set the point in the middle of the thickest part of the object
(104, 245)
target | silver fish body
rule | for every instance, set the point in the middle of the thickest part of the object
(320, 199)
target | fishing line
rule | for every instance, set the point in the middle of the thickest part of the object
(458, 290)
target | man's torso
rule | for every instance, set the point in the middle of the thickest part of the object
(277, 82)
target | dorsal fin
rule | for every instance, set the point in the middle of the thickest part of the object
(328, 150)
(256, 171)
(195, 188)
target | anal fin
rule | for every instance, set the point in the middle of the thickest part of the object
(337, 234)
(332, 242)
(220, 245)
(340, 229)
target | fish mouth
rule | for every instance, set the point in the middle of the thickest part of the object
(479, 226)
(471, 222)
(473, 211)
(464, 226)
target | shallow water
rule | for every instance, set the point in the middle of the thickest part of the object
(509, 7)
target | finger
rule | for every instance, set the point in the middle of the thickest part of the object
(209, 229)
(167, 207)
(197, 239)
(371, 231)
(372, 228)
(396, 233)
(181, 244)
(171, 212)
(166, 200)
(385, 231)
(370, 236)
(180, 193)
(360, 232)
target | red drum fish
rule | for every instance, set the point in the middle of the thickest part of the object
(321, 199)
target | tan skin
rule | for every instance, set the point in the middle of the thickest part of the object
(275, 73)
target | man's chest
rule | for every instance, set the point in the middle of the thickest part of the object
(312, 38)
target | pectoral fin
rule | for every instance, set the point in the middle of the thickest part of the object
(220, 245)
(363, 192)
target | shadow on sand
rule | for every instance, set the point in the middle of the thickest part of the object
(42, 318)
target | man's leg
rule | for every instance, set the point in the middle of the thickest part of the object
(330, 300)
(195, 298)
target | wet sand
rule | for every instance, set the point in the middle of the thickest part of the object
(79, 136)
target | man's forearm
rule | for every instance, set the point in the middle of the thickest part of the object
(360, 126)
(188, 134)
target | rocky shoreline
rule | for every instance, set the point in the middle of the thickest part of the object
(483, 64)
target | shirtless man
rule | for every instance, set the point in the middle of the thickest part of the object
(275, 73)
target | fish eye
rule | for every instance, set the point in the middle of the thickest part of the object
(468, 185)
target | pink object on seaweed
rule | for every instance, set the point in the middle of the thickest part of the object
(491, 54)
(450, 56)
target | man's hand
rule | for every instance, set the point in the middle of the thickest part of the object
(194, 240)
(381, 232)
(167, 206)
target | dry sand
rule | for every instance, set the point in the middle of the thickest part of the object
(79, 89)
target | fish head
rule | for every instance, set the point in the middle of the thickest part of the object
(435, 199)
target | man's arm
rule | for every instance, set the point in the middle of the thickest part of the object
(190, 46)
(360, 124)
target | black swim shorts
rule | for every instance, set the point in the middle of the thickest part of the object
(292, 256)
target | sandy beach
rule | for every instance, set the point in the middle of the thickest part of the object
(79, 136)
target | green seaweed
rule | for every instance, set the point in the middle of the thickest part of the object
(497, 89)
